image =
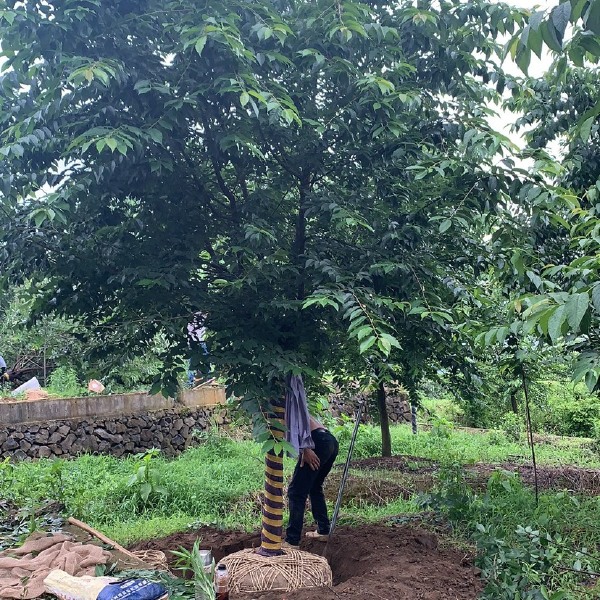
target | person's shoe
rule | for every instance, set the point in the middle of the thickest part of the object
(315, 535)
(288, 546)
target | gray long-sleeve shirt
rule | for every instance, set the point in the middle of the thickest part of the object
(297, 418)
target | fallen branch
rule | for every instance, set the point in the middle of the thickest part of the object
(101, 537)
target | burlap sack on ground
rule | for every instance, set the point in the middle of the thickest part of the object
(23, 570)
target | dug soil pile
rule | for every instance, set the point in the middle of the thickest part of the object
(369, 561)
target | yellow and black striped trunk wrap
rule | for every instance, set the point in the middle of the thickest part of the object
(272, 516)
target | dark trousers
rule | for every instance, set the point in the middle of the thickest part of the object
(306, 482)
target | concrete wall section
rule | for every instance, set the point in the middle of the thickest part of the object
(52, 409)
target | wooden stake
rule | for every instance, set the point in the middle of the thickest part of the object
(101, 537)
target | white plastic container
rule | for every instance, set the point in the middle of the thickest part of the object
(32, 384)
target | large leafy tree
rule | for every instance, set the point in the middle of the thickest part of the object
(291, 169)
(555, 262)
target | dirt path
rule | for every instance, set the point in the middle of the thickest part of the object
(370, 561)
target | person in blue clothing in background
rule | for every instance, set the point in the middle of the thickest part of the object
(4, 376)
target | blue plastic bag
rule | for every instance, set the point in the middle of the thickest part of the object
(133, 589)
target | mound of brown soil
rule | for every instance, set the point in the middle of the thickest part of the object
(221, 542)
(370, 561)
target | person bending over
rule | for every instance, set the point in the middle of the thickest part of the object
(317, 449)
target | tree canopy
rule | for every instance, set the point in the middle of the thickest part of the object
(298, 171)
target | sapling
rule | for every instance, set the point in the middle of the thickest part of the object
(203, 578)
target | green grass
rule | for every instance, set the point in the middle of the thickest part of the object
(492, 447)
(218, 482)
(213, 483)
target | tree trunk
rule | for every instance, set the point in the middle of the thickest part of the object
(386, 438)
(513, 402)
(272, 513)
(413, 418)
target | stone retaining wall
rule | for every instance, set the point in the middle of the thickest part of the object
(132, 423)
(170, 430)
(118, 425)
(397, 404)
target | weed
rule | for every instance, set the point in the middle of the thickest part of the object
(441, 428)
(64, 383)
(512, 425)
(145, 483)
(532, 567)
(451, 496)
(497, 437)
(6, 474)
(192, 561)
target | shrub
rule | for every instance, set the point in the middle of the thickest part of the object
(441, 428)
(64, 382)
(512, 425)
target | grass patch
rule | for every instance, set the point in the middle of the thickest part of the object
(467, 447)
(211, 484)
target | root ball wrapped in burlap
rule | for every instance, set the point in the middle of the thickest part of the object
(251, 572)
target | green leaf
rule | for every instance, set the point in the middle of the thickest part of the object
(366, 344)
(145, 490)
(9, 16)
(589, 44)
(363, 332)
(244, 98)
(384, 346)
(523, 58)
(445, 225)
(592, 20)
(549, 35)
(391, 339)
(536, 42)
(591, 380)
(596, 296)
(586, 129)
(560, 16)
(489, 337)
(536, 20)
(577, 11)
(156, 135)
(555, 323)
(39, 217)
(517, 262)
(544, 318)
(576, 306)
(200, 43)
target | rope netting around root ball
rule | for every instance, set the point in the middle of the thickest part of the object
(251, 572)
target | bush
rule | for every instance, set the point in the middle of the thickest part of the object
(368, 439)
(496, 437)
(576, 417)
(64, 382)
(512, 425)
(441, 428)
